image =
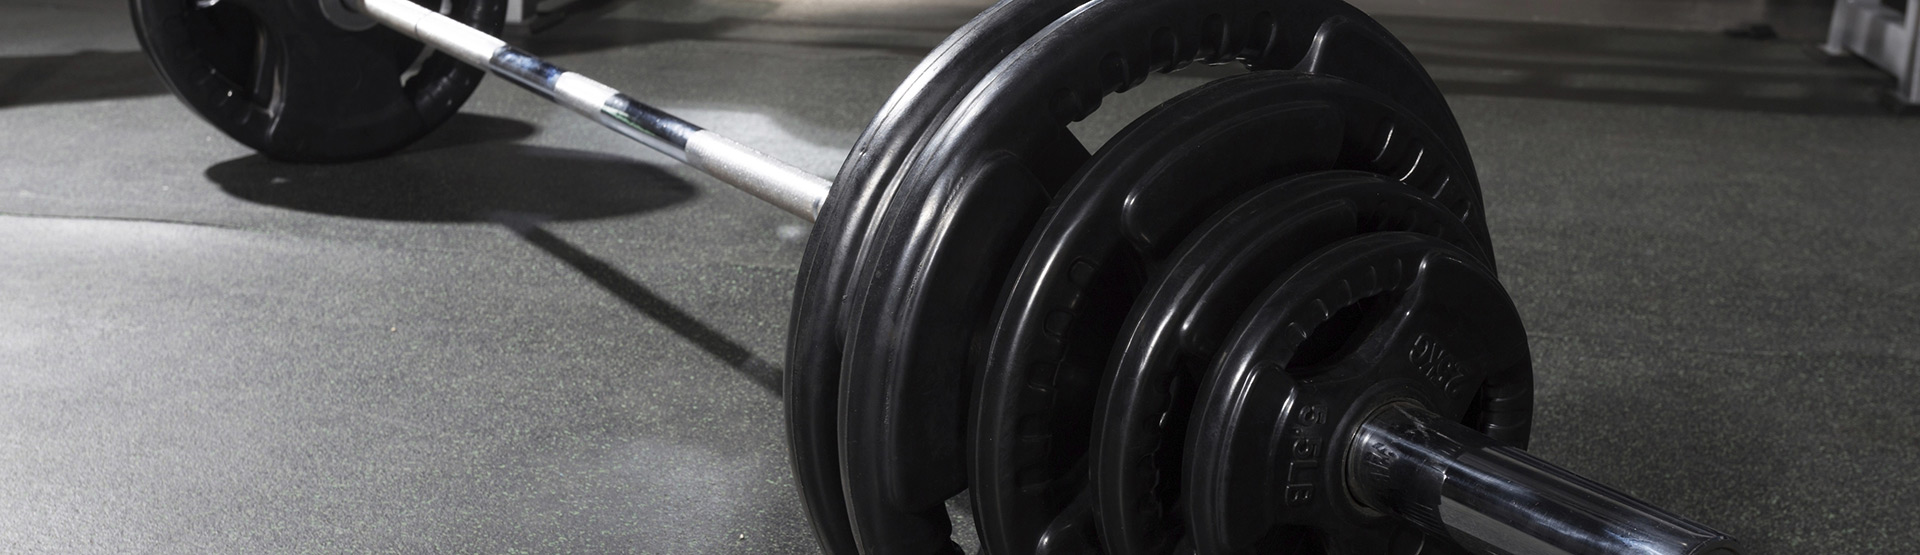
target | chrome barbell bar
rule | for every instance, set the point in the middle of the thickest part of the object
(774, 181)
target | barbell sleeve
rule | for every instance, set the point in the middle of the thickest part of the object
(770, 179)
(1498, 500)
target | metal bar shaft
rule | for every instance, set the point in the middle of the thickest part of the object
(1498, 500)
(774, 181)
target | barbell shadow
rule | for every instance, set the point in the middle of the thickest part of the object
(463, 174)
(763, 373)
(466, 129)
(468, 173)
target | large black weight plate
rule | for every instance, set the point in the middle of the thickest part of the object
(949, 226)
(1118, 221)
(279, 77)
(1180, 320)
(1380, 316)
(812, 388)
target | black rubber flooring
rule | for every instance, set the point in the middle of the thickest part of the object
(527, 335)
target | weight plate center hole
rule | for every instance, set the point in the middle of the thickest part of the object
(1340, 335)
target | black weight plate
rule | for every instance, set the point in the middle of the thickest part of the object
(950, 225)
(1380, 316)
(1088, 260)
(279, 77)
(1181, 318)
(814, 326)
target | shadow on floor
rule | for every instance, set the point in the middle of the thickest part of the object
(468, 129)
(86, 75)
(468, 172)
(638, 296)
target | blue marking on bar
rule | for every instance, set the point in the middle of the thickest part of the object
(526, 70)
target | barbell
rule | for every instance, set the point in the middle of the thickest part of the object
(1263, 317)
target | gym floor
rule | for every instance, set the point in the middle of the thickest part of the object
(526, 334)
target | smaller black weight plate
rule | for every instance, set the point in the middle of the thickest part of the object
(1371, 319)
(281, 78)
(1117, 221)
(812, 381)
(1186, 312)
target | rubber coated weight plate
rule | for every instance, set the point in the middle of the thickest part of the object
(281, 78)
(1118, 219)
(814, 329)
(950, 224)
(1377, 317)
(1177, 326)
